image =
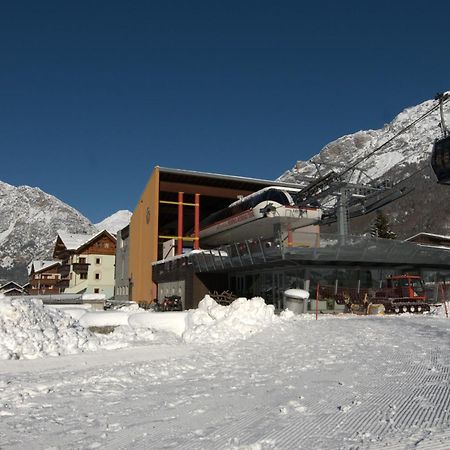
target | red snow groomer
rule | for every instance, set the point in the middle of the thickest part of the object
(402, 294)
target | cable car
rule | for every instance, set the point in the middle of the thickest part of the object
(440, 156)
(440, 160)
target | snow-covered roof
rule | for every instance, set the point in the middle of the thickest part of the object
(437, 236)
(13, 285)
(41, 265)
(75, 241)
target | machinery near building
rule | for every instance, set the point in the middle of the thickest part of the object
(401, 294)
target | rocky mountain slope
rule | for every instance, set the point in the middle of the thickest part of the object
(427, 208)
(29, 222)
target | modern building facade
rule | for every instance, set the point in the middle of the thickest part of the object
(156, 218)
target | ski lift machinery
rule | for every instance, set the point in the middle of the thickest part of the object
(354, 199)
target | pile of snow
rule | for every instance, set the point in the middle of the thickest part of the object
(172, 321)
(212, 322)
(29, 330)
(103, 318)
(124, 336)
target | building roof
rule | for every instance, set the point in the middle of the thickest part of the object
(215, 179)
(430, 235)
(10, 285)
(74, 241)
(39, 266)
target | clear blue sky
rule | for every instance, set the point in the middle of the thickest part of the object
(94, 94)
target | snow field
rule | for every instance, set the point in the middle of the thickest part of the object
(342, 382)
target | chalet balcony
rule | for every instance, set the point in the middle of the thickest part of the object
(64, 270)
(62, 284)
(80, 267)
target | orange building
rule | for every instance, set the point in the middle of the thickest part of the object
(156, 218)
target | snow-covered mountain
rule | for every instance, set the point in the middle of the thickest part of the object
(427, 208)
(29, 222)
(115, 222)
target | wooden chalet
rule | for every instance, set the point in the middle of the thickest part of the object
(11, 288)
(44, 277)
(86, 262)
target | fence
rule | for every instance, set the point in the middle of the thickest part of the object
(319, 248)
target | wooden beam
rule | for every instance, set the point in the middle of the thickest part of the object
(209, 191)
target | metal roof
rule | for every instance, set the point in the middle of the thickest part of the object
(215, 179)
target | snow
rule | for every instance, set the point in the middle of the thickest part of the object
(29, 330)
(212, 322)
(241, 378)
(103, 318)
(297, 293)
(172, 321)
(115, 222)
(73, 241)
(41, 265)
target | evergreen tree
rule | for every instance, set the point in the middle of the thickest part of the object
(381, 227)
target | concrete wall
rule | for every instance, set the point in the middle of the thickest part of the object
(121, 290)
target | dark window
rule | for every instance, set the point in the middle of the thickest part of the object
(83, 276)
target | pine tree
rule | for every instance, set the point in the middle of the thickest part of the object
(381, 227)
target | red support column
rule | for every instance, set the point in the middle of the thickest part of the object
(317, 299)
(180, 224)
(289, 235)
(197, 222)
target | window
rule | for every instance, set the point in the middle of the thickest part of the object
(82, 260)
(98, 260)
(97, 276)
(83, 276)
(96, 291)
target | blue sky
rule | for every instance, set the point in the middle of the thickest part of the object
(94, 94)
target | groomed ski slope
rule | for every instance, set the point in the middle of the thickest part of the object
(336, 383)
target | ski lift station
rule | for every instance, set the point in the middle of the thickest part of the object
(193, 233)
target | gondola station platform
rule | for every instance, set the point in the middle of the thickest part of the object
(268, 268)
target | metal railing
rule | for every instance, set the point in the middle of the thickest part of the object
(319, 248)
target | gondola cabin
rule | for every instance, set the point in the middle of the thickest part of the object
(255, 216)
(440, 160)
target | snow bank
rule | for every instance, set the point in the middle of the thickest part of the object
(29, 330)
(104, 318)
(75, 313)
(124, 336)
(173, 321)
(212, 322)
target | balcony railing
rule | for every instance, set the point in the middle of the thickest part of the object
(64, 270)
(63, 283)
(327, 248)
(80, 267)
